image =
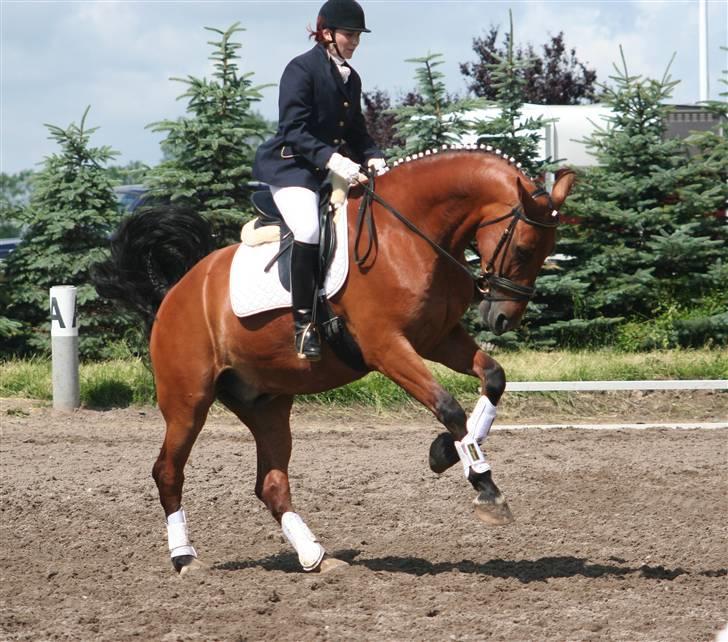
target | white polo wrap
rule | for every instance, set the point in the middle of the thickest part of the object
(481, 419)
(310, 552)
(177, 536)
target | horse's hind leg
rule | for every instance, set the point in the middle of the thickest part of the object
(270, 424)
(184, 411)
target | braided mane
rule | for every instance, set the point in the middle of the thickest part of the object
(488, 149)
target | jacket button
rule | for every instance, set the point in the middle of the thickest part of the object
(346, 104)
(341, 123)
(336, 141)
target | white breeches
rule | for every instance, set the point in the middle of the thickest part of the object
(299, 207)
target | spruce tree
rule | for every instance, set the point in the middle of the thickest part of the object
(508, 131)
(646, 244)
(707, 322)
(210, 151)
(14, 195)
(435, 120)
(72, 211)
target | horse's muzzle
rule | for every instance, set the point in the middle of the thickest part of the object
(497, 318)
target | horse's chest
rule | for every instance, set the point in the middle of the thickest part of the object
(439, 311)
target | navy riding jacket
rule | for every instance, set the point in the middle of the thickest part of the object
(319, 114)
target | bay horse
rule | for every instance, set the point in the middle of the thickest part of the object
(403, 304)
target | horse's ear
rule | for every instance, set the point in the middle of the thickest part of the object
(530, 207)
(562, 186)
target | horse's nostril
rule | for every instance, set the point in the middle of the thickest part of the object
(501, 323)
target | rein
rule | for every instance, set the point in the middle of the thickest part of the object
(365, 214)
(486, 280)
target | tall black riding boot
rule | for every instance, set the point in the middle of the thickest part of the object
(304, 265)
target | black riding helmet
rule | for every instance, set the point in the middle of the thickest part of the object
(343, 14)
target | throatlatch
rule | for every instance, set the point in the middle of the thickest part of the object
(468, 449)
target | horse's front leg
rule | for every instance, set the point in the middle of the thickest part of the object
(460, 353)
(401, 363)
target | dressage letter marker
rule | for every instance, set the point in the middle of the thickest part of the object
(64, 347)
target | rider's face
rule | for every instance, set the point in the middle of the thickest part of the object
(346, 41)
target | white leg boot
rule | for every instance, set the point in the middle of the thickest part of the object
(310, 552)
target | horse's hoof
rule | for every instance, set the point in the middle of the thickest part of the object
(329, 564)
(443, 453)
(185, 564)
(493, 511)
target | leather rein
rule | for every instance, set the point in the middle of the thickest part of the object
(488, 279)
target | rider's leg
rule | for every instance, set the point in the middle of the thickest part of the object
(299, 207)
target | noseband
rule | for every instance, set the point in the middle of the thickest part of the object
(491, 280)
(487, 280)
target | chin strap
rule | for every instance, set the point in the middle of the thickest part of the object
(333, 42)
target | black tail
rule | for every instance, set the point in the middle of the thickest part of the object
(150, 252)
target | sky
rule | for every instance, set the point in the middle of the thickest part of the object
(117, 56)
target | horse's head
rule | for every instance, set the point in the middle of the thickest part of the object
(512, 259)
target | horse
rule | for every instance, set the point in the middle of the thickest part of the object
(402, 303)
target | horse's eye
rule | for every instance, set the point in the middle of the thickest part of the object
(523, 253)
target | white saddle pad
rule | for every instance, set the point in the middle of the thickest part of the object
(253, 291)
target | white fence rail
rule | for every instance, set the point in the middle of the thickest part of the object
(581, 386)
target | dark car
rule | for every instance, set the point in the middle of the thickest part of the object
(130, 197)
(7, 246)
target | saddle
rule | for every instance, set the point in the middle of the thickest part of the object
(269, 227)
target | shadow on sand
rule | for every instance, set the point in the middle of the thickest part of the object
(524, 571)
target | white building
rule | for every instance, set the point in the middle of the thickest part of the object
(562, 139)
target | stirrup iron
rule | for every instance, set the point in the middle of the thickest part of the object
(308, 342)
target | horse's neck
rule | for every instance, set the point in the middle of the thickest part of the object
(444, 199)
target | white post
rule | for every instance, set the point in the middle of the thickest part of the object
(64, 348)
(549, 152)
(703, 89)
(548, 140)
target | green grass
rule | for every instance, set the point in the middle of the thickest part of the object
(379, 392)
(125, 382)
(598, 365)
(107, 384)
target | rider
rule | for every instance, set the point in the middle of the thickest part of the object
(320, 128)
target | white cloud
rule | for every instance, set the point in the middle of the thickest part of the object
(58, 57)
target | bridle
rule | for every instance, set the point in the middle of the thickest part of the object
(488, 279)
(491, 280)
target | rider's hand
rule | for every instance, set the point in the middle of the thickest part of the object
(379, 165)
(344, 167)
